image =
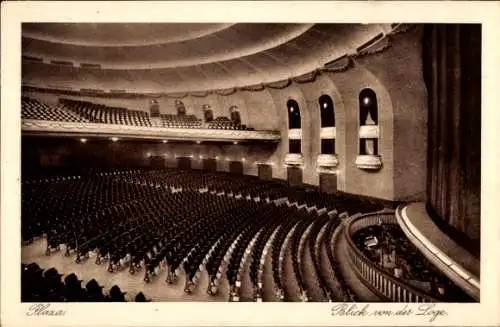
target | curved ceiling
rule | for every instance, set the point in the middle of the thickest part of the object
(118, 35)
(168, 58)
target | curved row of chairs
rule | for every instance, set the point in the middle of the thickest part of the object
(315, 240)
(225, 123)
(71, 110)
(39, 285)
(152, 219)
(99, 113)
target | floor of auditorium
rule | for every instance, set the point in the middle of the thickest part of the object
(158, 290)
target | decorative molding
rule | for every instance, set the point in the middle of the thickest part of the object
(253, 88)
(369, 132)
(328, 133)
(294, 159)
(226, 92)
(307, 78)
(327, 163)
(339, 65)
(377, 47)
(369, 162)
(42, 126)
(295, 134)
(400, 28)
(280, 84)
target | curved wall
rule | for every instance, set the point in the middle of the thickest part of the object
(395, 74)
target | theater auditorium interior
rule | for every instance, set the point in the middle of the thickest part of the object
(250, 162)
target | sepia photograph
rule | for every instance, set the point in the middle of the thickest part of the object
(250, 161)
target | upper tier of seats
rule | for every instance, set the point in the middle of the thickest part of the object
(225, 123)
(34, 109)
(99, 113)
(84, 111)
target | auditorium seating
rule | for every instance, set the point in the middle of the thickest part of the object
(39, 285)
(34, 109)
(129, 219)
(225, 123)
(86, 111)
(394, 252)
(315, 239)
(180, 121)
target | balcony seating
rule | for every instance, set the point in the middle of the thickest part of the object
(84, 111)
(34, 109)
(98, 113)
(180, 121)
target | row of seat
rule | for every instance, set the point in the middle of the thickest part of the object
(180, 121)
(131, 218)
(395, 253)
(85, 111)
(34, 109)
(225, 123)
(39, 285)
(99, 113)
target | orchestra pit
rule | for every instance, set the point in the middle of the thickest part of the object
(250, 162)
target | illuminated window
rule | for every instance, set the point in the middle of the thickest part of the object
(368, 116)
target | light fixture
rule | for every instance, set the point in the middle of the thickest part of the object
(191, 156)
(114, 139)
(366, 100)
(325, 105)
(83, 140)
(243, 159)
(198, 142)
(164, 141)
(235, 142)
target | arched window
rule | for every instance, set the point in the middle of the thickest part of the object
(368, 116)
(179, 106)
(327, 122)
(368, 107)
(293, 114)
(207, 113)
(327, 111)
(294, 141)
(235, 114)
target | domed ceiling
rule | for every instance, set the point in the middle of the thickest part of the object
(181, 57)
